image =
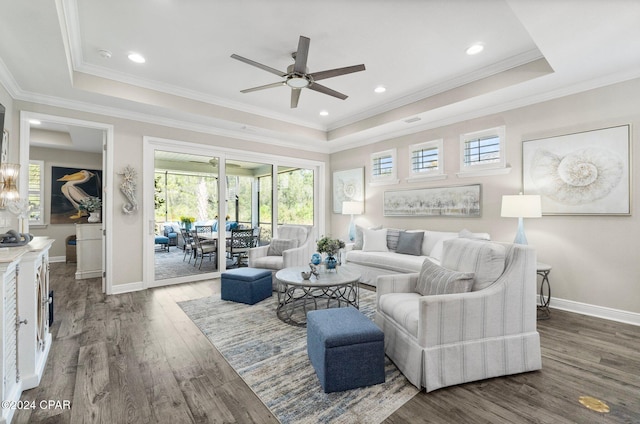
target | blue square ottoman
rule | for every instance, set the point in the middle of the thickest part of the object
(246, 285)
(163, 242)
(345, 348)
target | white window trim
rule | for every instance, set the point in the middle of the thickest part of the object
(39, 222)
(428, 175)
(496, 168)
(385, 179)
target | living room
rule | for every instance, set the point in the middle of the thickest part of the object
(593, 255)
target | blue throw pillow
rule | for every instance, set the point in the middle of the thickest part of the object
(410, 243)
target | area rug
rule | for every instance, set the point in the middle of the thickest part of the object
(271, 357)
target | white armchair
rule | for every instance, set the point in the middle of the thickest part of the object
(449, 339)
(278, 254)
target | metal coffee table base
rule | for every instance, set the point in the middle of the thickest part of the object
(294, 301)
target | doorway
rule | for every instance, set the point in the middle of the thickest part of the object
(247, 195)
(61, 142)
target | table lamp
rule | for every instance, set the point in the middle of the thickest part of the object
(521, 206)
(352, 208)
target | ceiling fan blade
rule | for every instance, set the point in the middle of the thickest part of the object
(326, 90)
(259, 65)
(295, 96)
(263, 87)
(301, 55)
(317, 76)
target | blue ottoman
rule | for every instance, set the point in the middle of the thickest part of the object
(345, 348)
(163, 242)
(246, 285)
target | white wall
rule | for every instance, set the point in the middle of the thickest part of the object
(64, 158)
(595, 259)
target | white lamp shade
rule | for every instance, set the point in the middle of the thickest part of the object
(521, 206)
(352, 208)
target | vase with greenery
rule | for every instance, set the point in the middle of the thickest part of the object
(331, 247)
(187, 221)
(92, 205)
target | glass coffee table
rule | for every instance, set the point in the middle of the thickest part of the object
(330, 289)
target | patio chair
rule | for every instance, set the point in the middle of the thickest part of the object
(240, 242)
(189, 245)
(203, 249)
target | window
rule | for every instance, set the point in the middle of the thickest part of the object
(383, 167)
(427, 160)
(483, 150)
(36, 190)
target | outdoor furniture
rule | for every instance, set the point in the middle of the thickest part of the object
(171, 234)
(163, 242)
(246, 285)
(345, 348)
(239, 243)
(203, 249)
(188, 246)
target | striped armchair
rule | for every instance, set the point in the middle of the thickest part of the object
(449, 339)
(293, 246)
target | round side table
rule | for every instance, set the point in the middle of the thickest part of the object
(543, 270)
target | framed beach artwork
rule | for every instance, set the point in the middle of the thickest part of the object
(348, 185)
(586, 173)
(455, 201)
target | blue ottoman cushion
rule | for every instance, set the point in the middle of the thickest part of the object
(163, 241)
(246, 285)
(345, 348)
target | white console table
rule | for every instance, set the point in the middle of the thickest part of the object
(89, 251)
(24, 332)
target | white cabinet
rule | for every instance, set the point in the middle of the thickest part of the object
(34, 338)
(89, 250)
(9, 374)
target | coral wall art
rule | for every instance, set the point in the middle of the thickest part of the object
(586, 173)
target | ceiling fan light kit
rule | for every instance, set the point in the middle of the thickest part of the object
(298, 77)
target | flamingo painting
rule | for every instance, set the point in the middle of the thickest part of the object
(75, 194)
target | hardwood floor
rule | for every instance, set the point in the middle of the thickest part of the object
(137, 358)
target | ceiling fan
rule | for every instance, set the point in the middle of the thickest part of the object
(298, 77)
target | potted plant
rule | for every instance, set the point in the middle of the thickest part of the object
(92, 205)
(330, 247)
(187, 221)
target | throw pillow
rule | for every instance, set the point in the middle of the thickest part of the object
(374, 240)
(392, 238)
(277, 246)
(434, 280)
(359, 240)
(477, 236)
(486, 259)
(410, 243)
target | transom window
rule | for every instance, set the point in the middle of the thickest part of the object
(426, 158)
(482, 150)
(383, 166)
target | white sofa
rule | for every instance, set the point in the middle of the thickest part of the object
(386, 261)
(447, 339)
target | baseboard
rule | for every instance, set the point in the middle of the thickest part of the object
(596, 311)
(57, 259)
(126, 288)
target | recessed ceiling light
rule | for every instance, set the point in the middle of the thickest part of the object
(324, 113)
(380, 89)
(34, 122)
(136, 57)
(475, 49)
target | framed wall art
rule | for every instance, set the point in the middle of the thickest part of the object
(456, 201)
(348, 185)
(68, 187)
(586, 173)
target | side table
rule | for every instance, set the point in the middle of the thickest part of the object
(543, 270)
